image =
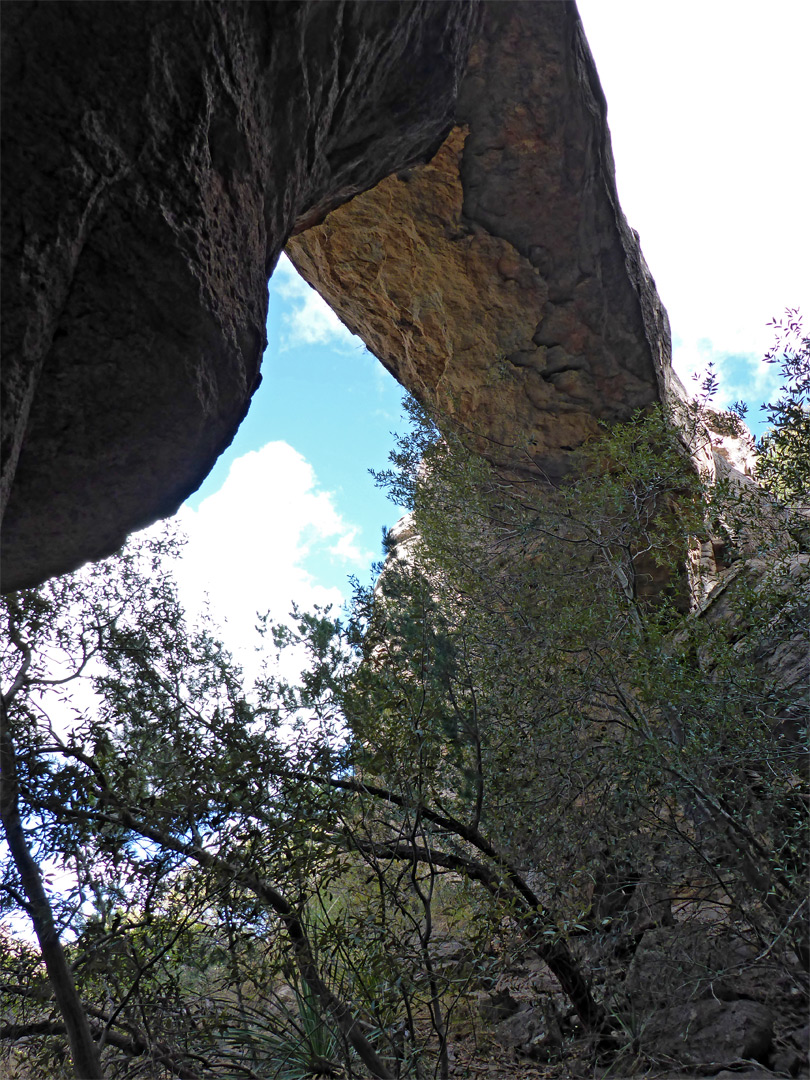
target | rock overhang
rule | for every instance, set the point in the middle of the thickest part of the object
(156, 159)
(500, 282)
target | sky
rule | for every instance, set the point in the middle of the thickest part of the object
(707, 106)
(706, 103)
(290, 512)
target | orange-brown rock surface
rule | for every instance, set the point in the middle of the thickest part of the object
(500, 281)
(156, 158)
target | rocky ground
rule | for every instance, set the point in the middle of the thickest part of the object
(693, 1002)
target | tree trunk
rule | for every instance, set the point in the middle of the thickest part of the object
(83, 1049)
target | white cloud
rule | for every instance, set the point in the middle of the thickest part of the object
(347, 549)
(248, 545)
(706, 106)
(312, 321)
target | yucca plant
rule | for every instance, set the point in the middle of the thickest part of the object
(295, 1042)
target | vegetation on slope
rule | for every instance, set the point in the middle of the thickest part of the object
(521, 742)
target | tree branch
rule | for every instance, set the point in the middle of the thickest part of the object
(83, 1051)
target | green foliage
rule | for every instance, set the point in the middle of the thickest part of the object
(580, 685)
(294, 1039)
(784, 464)
(519, 739)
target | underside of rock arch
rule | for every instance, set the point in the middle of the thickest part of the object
(500, 281)
(444, 171)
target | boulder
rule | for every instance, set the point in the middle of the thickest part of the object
(687, 962)
(531, 1031)
(709, 1034)
(496, 1006)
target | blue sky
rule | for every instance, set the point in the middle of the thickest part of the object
(290, 511)
(322, 392)
(325, 395)
(706, 105)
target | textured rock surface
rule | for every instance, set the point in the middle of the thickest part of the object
(532, 1032)
(155, 159)
(710, 1033)
(500, 281)
(781, 650)
(686, 962)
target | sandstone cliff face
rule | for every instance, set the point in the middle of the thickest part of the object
(155, 159)
(500, 281)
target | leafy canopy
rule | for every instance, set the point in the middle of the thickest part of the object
(521, 741)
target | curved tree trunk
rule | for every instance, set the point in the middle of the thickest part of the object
(83, 1049)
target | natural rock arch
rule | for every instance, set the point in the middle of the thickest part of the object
(500, 281)
(156, 158)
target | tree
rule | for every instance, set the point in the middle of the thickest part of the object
(145, 802)
(520, 737)
(658, 716)
(784, 464)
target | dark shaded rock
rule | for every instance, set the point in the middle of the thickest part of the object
(500, 282)
(688, 962)
(497, 1006)
(786, 1063)
(630, 906)
(531, 1032)
(452, 958)
(155, 159)
(801, 1037)
(709, 1034)
(738, 1074)
(791, 1052)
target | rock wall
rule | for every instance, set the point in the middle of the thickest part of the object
(155, 159)
(500, 281)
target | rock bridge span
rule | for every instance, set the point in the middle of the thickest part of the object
(440, 171)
